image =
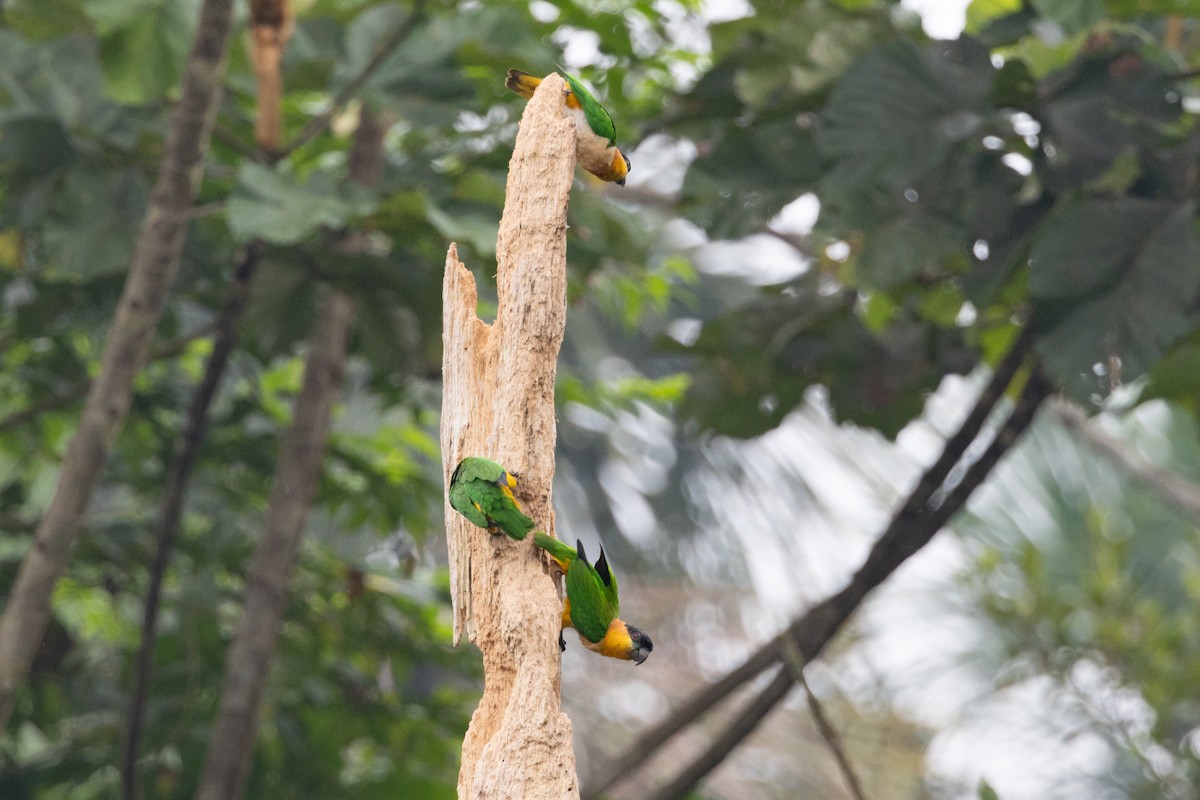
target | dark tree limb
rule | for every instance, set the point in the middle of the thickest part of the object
(910, 529)
(791, 657)
(170, 507)
(739, 728)
(155, 261)
(235, 730)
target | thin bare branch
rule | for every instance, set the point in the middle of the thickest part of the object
(819, 624)
(170, 507)
(1180, 492)
(383, 49)
(741, 727)
(794, 662)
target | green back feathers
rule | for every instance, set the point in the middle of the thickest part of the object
(481, 490)
(473, 468)
(598, 119)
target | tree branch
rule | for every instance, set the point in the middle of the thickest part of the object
(155, 261)
(793, 661)
(1180, 492)
(171, 505)
(741, 727)
(910, 529)
(235, 730)
(383, 49)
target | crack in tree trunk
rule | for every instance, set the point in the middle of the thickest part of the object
(498, 402)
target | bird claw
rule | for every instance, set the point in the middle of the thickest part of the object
(562, 643)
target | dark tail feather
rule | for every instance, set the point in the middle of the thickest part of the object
(521, 82)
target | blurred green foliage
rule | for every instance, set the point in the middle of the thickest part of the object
(1039, 171)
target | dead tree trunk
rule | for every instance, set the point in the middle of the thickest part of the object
(498, 402)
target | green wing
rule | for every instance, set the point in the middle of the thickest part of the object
(592, 611)
(598, 119)
(476, 493)
(502, 510)
(474, 468)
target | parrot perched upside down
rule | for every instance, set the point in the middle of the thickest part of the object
(591, 606)
(481, 490)
(595, 134)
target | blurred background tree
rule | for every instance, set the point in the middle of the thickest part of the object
(835, 226)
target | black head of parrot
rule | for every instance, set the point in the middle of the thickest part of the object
(642, 646)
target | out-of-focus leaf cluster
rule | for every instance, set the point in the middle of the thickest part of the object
(964, 186)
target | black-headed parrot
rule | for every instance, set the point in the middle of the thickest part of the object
(592, 606)
(481, 490)
(595, 135)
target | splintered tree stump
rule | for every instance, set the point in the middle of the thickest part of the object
(498, 402)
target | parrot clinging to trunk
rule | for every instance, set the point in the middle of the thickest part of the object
(591, 605)
(595, 136)
(481, 490)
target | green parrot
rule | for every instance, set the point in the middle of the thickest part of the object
(592, 605)
(595, 135)
(481, 490)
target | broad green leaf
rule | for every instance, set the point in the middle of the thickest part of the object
(1176, 376)
(982, 12)
(34, 146)
(143, 45)
(271, 206)
(749, 175)
(1113, 279)
(1133, 8)
(42, 19)
(469, 227)
(905, 247)
(92, 223)
(1074, 15)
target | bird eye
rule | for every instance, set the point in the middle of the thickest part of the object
(628, 165)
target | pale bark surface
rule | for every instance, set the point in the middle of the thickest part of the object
(155, 260)
(498, 402)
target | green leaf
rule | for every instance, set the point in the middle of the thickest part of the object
(750, 173)
(42, 19)
(1133, 8)
(900, 110)
(469, 227)
(1113, 278)
(143, 45)
(986, 792)
(34, 146)
(1074, 15)
(905, 247)
(980, 13)
(271, 206)
(1176, 376)
(92, 222)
